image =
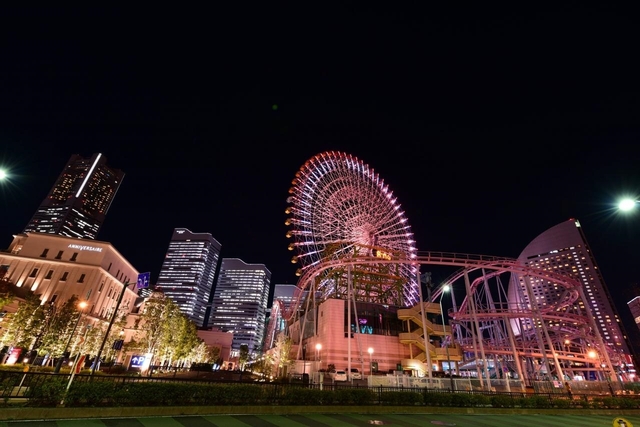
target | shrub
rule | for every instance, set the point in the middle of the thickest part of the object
(46, 393)
(503, 401)
(91, 394)
(437, 399)
(401, 398)
(539, 401)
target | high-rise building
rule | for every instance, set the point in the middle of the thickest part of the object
(77, 204)
(283, 295)
(188, 272)
(634, 307)
(563, 249)
(240, 302)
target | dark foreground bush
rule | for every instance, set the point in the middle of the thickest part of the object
(50, 391)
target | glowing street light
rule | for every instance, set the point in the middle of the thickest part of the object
(318, 348)
(370, 351)
(601, 373)
(446, 288)
(3, 174)
(627, 204)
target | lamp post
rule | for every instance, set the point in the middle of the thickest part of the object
(81, 306)
(446, 288)
(370, 351)
(106, 334)
(593, 354)
(318, 348)
(318, 361)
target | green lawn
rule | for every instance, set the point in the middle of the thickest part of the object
(341, 420)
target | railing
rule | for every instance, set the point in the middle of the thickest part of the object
(14, 385)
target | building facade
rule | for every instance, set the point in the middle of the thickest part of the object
(57, 267)
(240, 302)
(634, 307)
(188, 272)
(78, 202)
(563, 249)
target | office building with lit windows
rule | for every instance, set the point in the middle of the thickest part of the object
(188, 272)
(240, 302)
(77, 204)
(563, 249)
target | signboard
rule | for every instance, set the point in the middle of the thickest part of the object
(14, 354)
(80, 364)
(137, 361)
(621, 422)
(143, 280)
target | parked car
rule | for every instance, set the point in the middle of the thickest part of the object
(355, 374)
(339, 376)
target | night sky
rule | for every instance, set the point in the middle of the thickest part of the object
(491, 125)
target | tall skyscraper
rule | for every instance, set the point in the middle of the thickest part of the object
(283, 295)
(188, 272)
(563, 249)
(77, 204)
(240, 302)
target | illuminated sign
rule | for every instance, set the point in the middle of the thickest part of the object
(85, 248)
(143, 280)
(137, 361)
(382, 255)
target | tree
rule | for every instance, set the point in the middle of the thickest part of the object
(6, 292)
(204, 353)
(263, 365)
(62, 325)
(24, 326)
(283, 352)
(164, 331)
(244, 356)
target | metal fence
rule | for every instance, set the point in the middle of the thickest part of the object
(14, 385)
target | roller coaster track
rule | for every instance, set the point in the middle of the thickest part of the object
(475, 316)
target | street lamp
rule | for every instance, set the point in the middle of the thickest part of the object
(81, 306)
(370, 351)
(125, 285)
(627, 204)
(318, 348)
(593, 354)
(445, 288)
(3, 174)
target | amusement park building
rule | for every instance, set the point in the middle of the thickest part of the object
(77, 204)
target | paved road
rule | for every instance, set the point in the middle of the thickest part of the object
(338, 420)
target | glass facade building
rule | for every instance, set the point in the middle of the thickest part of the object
(77, 204)
(563, 249)
(188, 272)
(240, 302)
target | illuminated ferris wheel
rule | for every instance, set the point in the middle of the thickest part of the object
(340, 208)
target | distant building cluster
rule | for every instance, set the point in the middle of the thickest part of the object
(47, 258)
